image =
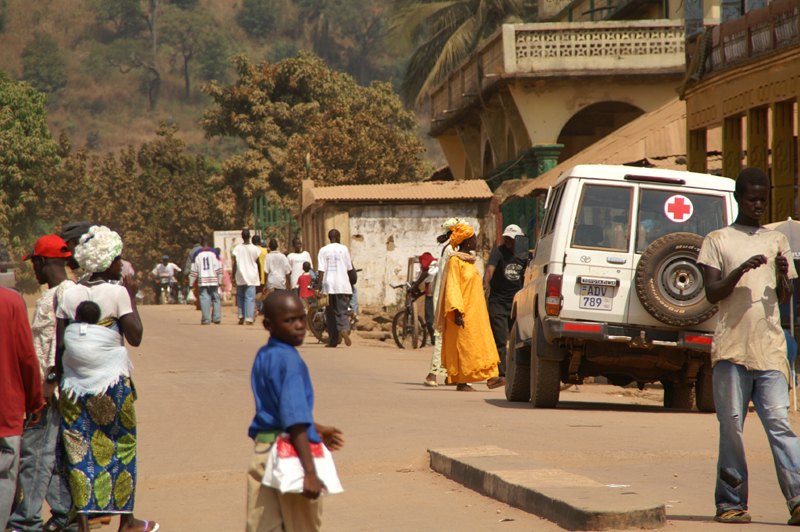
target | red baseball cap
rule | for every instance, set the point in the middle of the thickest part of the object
(52, 246)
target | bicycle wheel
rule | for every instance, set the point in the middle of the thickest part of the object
(402, 331)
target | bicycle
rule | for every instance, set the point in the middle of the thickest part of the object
(408, 327)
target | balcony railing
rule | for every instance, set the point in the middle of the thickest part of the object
(759, 32)
(562, 50)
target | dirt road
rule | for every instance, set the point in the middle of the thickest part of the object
(195, 405)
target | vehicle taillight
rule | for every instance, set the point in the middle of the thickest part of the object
(552, 301)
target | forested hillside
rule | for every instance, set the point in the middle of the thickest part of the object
(113, 70)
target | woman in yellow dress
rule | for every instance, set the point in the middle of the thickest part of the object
(468, 350)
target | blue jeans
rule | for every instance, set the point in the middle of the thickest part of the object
(9, 464)
(246, 299)
(734, 387)
(37, 478)
(209, 294)
(354, 301)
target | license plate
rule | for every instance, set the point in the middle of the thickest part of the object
(596, 297)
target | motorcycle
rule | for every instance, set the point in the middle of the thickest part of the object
(165, 290)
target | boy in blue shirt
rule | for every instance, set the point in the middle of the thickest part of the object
(284, 403)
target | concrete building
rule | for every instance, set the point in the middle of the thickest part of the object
(744, 79)
(385, 225)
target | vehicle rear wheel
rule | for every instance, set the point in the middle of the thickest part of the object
(704, 390)
(670, 283)
(678, 396)
(518, 377)
(545, 374)
(316, 322)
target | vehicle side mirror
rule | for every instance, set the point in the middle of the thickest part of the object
(521, 246)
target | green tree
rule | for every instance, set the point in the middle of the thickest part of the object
(355, 135)
(257, 18)
(118, 19)
(43, 63)
(27, 153)
(443, 34)
(157, 197)
(191, 35)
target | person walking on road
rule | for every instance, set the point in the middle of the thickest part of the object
(276, 268)
(747, 273)
(188, 268)
(296, 261)
(20, 392)
(246, 276)
(504, 277)
(436, 359)
(468, 351)
(284, 400)
(206, 271)
(38, 477)
(98, 426)
(337, 275)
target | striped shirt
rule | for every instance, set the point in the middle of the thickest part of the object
(206, 268)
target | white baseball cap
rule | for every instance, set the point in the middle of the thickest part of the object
(513, 231)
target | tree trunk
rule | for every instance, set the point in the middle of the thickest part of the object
(186, 59)
(155, 88)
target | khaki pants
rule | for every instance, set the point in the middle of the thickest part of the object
(268, 510)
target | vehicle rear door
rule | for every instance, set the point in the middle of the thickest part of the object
(598, 261)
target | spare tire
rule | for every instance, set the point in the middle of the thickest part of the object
(670, 283)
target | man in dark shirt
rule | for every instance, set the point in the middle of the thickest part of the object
(504, 277)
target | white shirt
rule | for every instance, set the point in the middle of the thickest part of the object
(166, 271)
(113, 300)
(749, 330)
(334, 261)
(206, 268)
(276, 268)
(296, 261)
(44, 325)
(246, 256)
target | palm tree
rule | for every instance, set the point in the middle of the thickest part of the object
(443, 34)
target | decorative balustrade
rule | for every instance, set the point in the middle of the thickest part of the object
(562, 50)
(759, 32)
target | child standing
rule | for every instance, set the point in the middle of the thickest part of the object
(284, 403)
(304, 284)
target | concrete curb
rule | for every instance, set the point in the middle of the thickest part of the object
(571, 501)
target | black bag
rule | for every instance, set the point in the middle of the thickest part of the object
(353, 276)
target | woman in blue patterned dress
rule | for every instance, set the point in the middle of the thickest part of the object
(98, 429)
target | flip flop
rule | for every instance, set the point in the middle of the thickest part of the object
(501, 381)
(733, 516)
(426, 382)
(147, 528)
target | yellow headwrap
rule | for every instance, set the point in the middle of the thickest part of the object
(461, 232)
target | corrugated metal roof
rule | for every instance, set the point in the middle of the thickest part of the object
(423, 191)
(657, 135)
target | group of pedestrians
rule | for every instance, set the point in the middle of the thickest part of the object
(67, 416)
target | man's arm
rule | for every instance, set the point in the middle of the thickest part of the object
(487, 275)
(233, 269)
(784, 287)
(718, 288)
(28, 363)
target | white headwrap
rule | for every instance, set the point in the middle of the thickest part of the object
(98, 248)
(449, 224)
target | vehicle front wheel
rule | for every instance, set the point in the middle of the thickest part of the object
(518, 377)
(545, 374)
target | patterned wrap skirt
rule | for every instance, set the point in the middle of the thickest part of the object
(98, 448)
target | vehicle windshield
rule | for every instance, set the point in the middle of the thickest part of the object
(662, 212)
(603, 220)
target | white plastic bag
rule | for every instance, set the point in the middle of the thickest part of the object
(285, 473)
(190, 297)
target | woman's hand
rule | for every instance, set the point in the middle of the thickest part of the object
(459, 319)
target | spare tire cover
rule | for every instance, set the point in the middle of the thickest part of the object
(669, 282)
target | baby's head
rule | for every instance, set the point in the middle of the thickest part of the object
(306, 267)
(88, 312)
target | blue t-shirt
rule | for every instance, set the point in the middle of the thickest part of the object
(282, 389)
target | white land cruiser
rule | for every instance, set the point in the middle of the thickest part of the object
(612, 287)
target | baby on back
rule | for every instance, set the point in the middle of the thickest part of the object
(88, 312)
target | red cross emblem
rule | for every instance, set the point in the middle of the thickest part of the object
(678, 208)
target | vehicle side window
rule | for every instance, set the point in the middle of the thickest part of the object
(700, 215)
(604, 218)
(552, 211)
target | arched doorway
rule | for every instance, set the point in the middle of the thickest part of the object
(592, 123)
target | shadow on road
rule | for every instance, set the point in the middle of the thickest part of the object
(710, 519)
(594, 406)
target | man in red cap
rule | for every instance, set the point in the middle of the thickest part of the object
(38, 448)
(20, 391)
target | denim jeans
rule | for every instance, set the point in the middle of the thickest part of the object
(36, 478)
(734, 387)
(246, 299)
(9, 462)
(209, 295)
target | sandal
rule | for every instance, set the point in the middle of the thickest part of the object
(495, 382)
(733, 516)
(795, 520)
(426, 382)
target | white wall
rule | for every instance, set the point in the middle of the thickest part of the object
(383, 237)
